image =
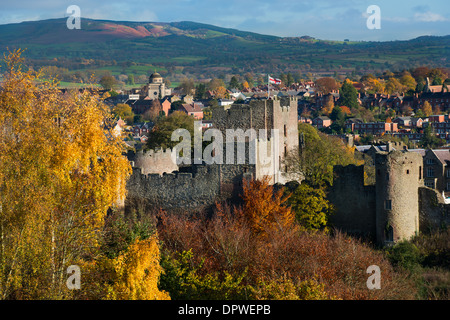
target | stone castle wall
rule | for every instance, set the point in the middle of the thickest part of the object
(434, 213)
(160, 161)
(354, 202)
(197, 187)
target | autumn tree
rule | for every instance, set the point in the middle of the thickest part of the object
(250, 79)
(221, 93)
(373, 85)
(328, 106)
(61, 169)
(154, 111)
(124, 111)
(137, 273)
(408, 82)
(215, 83)
(265, 209)
(326, 85)
(426, 109)
(393, 86)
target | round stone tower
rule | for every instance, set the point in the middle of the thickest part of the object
(398, 177)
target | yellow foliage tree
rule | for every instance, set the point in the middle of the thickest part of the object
(426, 109)
(137, 271)
(61, 168)
(265, 209)
(328, 106)
(221, 93)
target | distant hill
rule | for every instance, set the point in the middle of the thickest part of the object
(202, 47)
(55, 31)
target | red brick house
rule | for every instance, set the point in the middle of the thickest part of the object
(192, 109)
(374, 128)
(321, 122)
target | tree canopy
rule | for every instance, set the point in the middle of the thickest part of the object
(61, 169)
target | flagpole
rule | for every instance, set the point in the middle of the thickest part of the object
(268, 86)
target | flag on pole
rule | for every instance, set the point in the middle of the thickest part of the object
(274, 80)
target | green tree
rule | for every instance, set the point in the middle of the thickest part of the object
(234, 83)
(338, 118)
(430, 140)
(317, 155)
(289, 79)
(200, 91)
(348, 95)
(161, 134)
(310, 206)
(108, 82)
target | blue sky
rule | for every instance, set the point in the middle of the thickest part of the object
(323, 19)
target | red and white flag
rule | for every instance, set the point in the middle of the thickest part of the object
(274, 80)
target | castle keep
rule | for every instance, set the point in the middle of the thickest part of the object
(158, 182)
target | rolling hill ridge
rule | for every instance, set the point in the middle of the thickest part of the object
(202, 47)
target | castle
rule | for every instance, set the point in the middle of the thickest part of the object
(158, 182)
(395, 206)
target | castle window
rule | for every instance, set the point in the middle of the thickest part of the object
(407, 171)
(388, 204)
(285, 131)
(429, 184)
(420, 173)
(389, 234)
(430, 161)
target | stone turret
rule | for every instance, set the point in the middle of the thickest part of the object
(398, 179)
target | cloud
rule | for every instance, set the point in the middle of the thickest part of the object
(429, 17)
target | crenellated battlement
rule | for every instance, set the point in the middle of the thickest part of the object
(199, 187)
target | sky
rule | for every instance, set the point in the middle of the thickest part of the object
(321, 19)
